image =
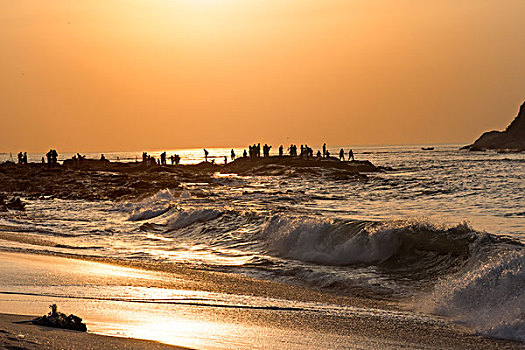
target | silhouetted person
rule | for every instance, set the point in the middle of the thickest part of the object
(318, 154)
(163, 158)
(233, 155)
(342, 155)
(225, 160)
(280, 150)
(48, 156)
(324, 150)
(102, 158)
(144, 157)
(350, 155)
(308, 152)
(206, 155)
(43, 160)
(327, 154)
(177, 159)
(24, 158)
(20, 157)
(245, 154)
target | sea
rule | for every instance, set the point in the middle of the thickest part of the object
(441, 230)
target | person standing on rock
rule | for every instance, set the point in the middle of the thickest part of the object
(233, 155)
(342, 155)
(324, 150)
(350, 155)
(206, 155)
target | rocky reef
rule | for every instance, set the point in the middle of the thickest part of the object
(513, 138)
(103, 180)
(284, 165)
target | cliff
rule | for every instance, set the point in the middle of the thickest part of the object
(513, 138)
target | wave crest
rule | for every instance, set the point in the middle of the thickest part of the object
(186, 218)
(332, 242)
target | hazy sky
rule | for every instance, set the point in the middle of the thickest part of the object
(94, 75)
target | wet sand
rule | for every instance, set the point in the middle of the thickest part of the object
(24, 336)
(200, 309)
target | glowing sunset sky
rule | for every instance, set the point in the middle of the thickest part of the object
(95, 75)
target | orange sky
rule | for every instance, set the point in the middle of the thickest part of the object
(107, 75)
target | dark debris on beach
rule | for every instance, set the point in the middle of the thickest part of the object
(58, 319)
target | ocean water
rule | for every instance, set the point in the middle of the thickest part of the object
(442, 230)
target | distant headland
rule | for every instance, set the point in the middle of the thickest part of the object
(513, 138)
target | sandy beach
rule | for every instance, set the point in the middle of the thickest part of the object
(22, 336)
(198, 309)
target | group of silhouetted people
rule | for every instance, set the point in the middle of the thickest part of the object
(78, 158)
(148, 159)
(305, 152)
(292, 150)
(151, 160)
(175, 159)
(342, 155)
(22, 158)
(254, 151)
(52, 157)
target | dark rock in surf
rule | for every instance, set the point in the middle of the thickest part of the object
(3, 206)
(16, 204)
(283, 164)
(513, 138)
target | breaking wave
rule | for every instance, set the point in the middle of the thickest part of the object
(331, 242)
(489, 297)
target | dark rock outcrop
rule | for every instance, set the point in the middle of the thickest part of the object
(280, 165)
(16, 204)
(513, 138)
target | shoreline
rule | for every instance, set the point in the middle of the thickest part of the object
(230, 317)
(14, 335)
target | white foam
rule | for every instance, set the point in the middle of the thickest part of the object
(490, 298)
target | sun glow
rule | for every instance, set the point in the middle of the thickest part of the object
(364, 72)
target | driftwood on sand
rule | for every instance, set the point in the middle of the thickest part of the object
(60, 320)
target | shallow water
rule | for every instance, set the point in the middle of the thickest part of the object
(444, 228)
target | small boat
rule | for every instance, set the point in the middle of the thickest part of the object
(427, 148)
